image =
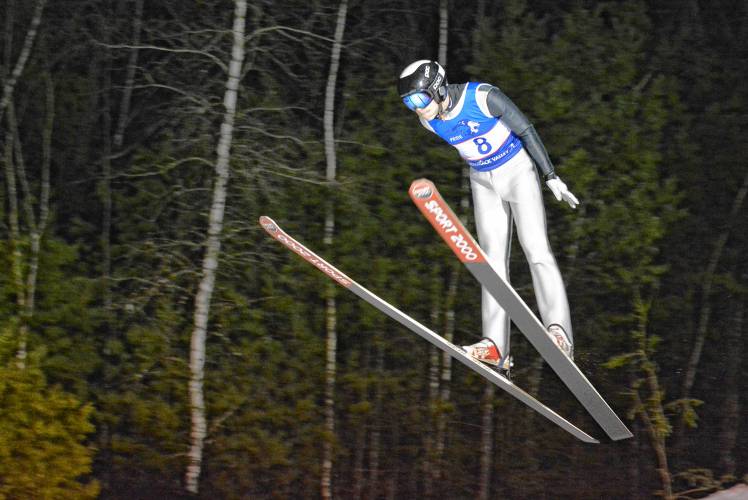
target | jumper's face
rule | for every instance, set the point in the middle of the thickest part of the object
(422, 104)
(429, 112)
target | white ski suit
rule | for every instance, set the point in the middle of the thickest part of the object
(500, 145)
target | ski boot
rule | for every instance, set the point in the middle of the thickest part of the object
(486, 352)
(558, 335)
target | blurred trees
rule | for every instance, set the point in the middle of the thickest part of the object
(108, 144)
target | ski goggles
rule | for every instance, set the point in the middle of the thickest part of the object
(418, 100)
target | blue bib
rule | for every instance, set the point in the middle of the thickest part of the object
(483, 141)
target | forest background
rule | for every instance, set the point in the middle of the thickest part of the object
(155, 343)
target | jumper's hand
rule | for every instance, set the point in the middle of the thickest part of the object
(560, 191)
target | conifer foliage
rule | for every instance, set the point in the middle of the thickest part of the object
(111, 115)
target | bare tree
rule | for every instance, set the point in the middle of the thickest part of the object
(705, 310)
(445, 385)
(212, 253)
(449, 301)
(23, 57)
(114, 142)
(443, 30)
(331, 309)
(15, 170)
(25, 289)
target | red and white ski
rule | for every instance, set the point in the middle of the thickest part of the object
(424, 194)
(456, 352)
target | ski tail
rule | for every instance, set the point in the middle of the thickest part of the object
(437, 340)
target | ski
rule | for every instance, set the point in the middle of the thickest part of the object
(456, 352)
(424, 194)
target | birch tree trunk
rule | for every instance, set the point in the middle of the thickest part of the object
(8, 42)
(439, 369)
(114, 146)
(443, 30)
(16, 174)
(212, 252)
(11, 187)
(446, 377)
(132, 62)
(104, 188)
(331, 309)
(28, 43)
(40, 226)
(446, 369)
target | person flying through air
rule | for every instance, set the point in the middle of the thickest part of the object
(502, 148)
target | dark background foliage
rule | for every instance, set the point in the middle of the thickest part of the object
(642, 107)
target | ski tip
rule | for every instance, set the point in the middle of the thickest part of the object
(422, 188)
(268, 224)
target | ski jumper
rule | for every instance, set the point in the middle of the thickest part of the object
(500, 144)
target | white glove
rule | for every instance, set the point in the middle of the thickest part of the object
(560, 191)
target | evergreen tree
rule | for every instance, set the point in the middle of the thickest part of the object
(43, 432)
